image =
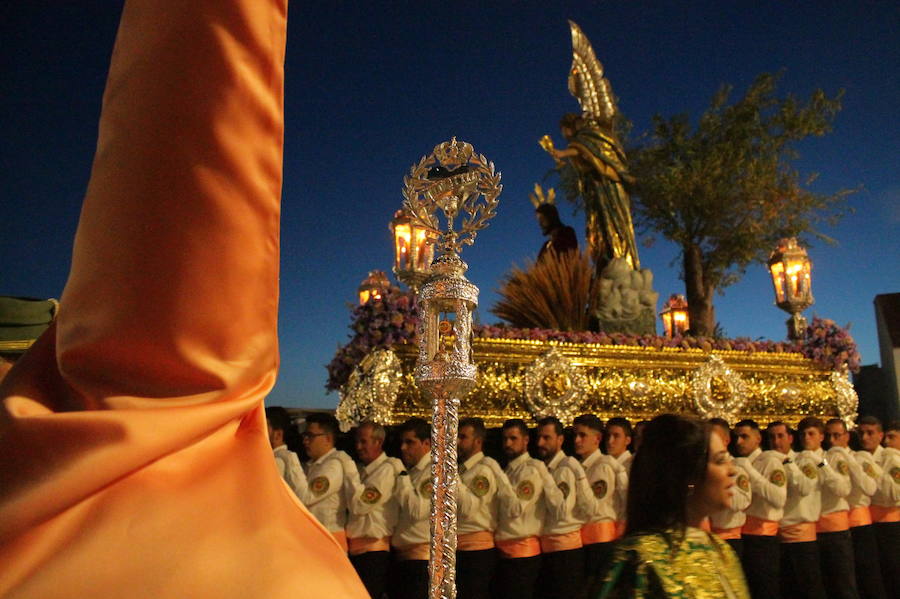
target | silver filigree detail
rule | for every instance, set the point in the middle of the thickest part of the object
(701, 385)
(371, 390)
(847, 401)
(554, 386)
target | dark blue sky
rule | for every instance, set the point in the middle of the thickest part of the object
(371, 89)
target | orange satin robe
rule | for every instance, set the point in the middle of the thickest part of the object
(133, 452)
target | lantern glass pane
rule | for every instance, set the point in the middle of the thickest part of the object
(402, 247)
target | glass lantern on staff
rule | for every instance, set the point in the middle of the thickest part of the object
(675, 317)
(452, 182)
(791, 268)
(413, 249)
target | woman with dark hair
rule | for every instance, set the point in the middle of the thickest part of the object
(680, 474)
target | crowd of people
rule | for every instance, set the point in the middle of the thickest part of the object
(795, 513)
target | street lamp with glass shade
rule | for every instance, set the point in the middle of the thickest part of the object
(413, 250)
(791, 268)
(373, 287)
(675, 316)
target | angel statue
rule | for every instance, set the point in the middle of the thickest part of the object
(593, 173)
(593, 168)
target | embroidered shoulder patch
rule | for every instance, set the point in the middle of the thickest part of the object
(895, 474)
(371, 495)
(599, 488)
(868, 469)
(425, 488)
(480, 485)
(319, 485)
(525, 490)
(777, 478)
(809, 471)
(843, 468)
(564, 487)
(743, 482)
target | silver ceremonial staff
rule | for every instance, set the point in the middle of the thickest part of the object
(453, 181)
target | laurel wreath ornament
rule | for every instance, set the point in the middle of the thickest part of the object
(457, 181)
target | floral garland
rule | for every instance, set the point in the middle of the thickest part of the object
(376, 324)
(830, 345)
(393, 319)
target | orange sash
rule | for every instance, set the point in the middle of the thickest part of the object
(419, 551)
(833, 522)
(803, 532)
(561, 542)
(860, 516)
(705, 525)
(475, 541)
(603, 531)
(759, 527)
(513, 548)
(881, 514)
(620, 528)
(728, 533)
(366, 544)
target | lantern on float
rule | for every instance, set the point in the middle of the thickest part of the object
(413, 249)
(675, 316)
(373, 286)
(791, 268)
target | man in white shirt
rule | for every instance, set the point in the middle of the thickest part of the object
(864, 475)
(369, 524)
(562, 557)
(595, 500)
(325, 473)
(768, 494)
(618, 437)
(518, 538)
(278, 422)
(833, 526)
(727, 522)
(411, 540)
(476, 511)
(800, 572)
(885, 508)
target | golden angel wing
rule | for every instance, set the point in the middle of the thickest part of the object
(586, 81)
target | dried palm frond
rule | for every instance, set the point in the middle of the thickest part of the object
(554, 293)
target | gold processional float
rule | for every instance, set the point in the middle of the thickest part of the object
(453, 373)
(528, 379)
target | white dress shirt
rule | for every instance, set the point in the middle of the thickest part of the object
(836, 488)
(559, 514)
(289, 468)
(768, 484)
(368, 496)
(530, 481)
(625, 459)
(597, 491)
(412, 502)
(866, 478)
(888, 492)
(326, 501)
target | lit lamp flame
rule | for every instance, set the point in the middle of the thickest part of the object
(675, 316)
(791, 271)
(373, 287)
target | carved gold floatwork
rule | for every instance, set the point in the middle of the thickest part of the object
(719, 392)
(554, 387)
(371, 390)
(635, 382)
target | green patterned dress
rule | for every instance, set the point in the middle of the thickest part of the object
(690, 565)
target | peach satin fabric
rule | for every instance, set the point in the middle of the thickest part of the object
(133, 452)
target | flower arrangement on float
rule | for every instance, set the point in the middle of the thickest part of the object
(392, 320)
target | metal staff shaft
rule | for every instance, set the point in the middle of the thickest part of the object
(442, 562)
